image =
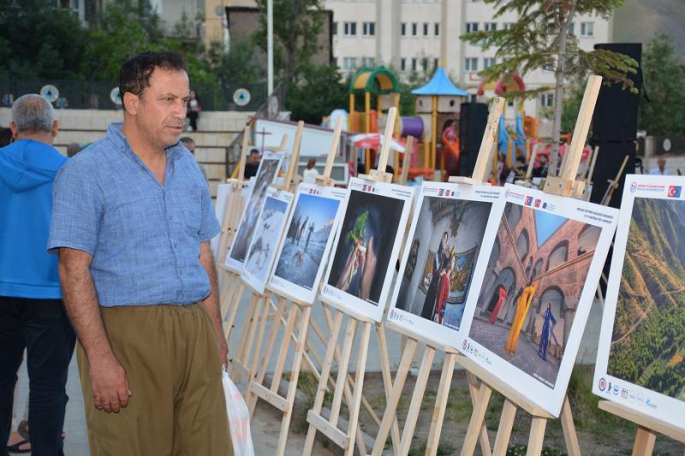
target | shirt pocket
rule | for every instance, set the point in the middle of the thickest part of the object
(192, 217)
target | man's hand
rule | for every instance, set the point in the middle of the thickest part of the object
(110, 384)
(223, 350)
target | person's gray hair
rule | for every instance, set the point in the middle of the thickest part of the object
(33, 114)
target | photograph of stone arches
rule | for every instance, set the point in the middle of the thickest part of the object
(531, 289)
(446, 240)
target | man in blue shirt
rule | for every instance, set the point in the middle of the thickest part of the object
(32, 314)
(132, 221)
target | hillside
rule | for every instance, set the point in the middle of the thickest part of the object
(649, 331)
(639, 20)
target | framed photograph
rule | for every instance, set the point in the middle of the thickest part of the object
(267, 238)
(304, 252)
(267, 172)
(525, 317)
(366, 247)
(445, 238)
(642, 339)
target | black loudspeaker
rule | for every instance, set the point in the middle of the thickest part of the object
(473, 118)
(609, 159)
(615, 116)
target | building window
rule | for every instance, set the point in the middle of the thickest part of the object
(471, 27)
(436, 29)
(425, 29)
(349, 63)
(403, 29)
(522, 245)
(369, 28)
(547, 100)
(587, 29)
(436, 63)
(588, 238)
(414, 29)
(350, 28)
(403, 64)
(571, 30)
(368, 62)
(508, 25)
(413, 64)
(488, 62)
(471, 64)
(490, 26)
(335, 28)
(559, 256)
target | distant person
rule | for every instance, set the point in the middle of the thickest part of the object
(5, 137)
(310, 172)
(252, 165)
(541, 169)
(660, 170)
(75, 148)
(190, 145)
(32, 313)
(193, 110)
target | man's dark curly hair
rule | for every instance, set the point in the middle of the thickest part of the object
(135, 72)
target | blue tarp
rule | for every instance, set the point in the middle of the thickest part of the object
(440, 85)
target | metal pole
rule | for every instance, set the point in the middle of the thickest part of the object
(270, 45)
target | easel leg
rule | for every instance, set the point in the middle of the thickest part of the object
(248, 336)
(321, 390)
(233, 305)
(537, 435)
(260, 338)
(569, 428)
(389, 417)
(261, 373)
(484, 439)
(294, 376)
(416, 400)
(506, 423)
(480, 406)
(358, 387)
(440, 404)
(644, 442)
(387, 379)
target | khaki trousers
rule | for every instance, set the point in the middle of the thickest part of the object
(177, 407)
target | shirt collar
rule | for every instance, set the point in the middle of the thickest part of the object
(121, 143)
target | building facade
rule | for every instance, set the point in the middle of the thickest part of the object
(417, 35)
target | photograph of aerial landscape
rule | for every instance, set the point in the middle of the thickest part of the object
(648, 339)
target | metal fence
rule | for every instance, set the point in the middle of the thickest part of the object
(104, 95)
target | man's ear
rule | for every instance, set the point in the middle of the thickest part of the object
(131, 103)
(14, 129)
(55, 128)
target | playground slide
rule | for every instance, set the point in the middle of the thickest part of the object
(452, 146)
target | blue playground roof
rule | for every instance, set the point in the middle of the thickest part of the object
(440, 85)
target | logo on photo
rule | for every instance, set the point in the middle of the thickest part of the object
(464, 344)
(544, 205)
(674, 191)
(537, 203)
(529, 201)
(624, 393)
(616, 390)
(441, 192)
(602, 384)
(633, 187)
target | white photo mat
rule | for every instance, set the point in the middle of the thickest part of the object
(379, 235)
(644, 194)
(298, 268)
(266, 174)
(224, 193)
(568, 282)
(266, 239)
(422, 248)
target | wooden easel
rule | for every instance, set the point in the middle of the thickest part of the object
(451, 355)
(564, 185)
(256, 388)
(647, 427)
(355, 324)
(613, 183)
(260, 303)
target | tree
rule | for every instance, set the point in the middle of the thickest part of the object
(297, 26)
(238, 66)
(663, 112)
(321, 91)
(541, 39)
(40, 40)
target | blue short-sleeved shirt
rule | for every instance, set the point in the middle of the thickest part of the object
(144, 238)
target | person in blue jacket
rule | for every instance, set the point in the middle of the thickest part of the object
(32, 314)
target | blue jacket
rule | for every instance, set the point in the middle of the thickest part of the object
(27, 171)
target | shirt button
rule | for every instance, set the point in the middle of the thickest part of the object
(175, 245)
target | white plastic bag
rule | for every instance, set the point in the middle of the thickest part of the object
(238, 418)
